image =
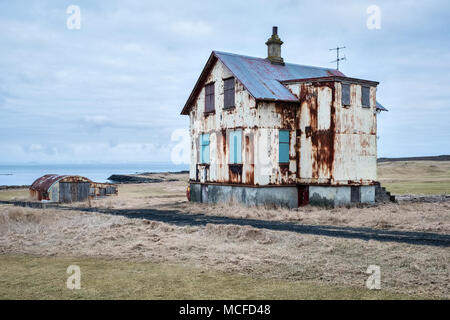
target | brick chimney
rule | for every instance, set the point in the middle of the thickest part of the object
(274, 48)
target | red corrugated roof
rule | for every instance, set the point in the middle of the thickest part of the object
(45, 182)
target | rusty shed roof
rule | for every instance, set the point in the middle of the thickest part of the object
(45, 182)
(261, 78)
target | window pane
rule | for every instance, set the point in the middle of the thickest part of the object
(365, 96)
(209, 97)
(345, 94)
(228, 93)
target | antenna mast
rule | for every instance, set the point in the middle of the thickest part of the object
(337, 56)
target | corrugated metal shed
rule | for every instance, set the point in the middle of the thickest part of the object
(60, 188)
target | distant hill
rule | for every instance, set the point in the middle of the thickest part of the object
(428, 158)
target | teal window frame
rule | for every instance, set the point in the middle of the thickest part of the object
(283, 150)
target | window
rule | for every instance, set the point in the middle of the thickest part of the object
(235, 143)
(365, 97)
(228, 93)
(204, 148)
(209, 97)
(345, 94)
(283, 152)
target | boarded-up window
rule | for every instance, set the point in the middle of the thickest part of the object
(365, 97)
(204, 148)
(345, 94)
(235, 142)
(283, 151)
(209, 97)
(228, 93)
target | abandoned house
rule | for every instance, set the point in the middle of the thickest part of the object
(66, 188)
(264, 131)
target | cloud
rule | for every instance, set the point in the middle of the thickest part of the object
(113, 90)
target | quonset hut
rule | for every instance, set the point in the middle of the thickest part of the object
(67, 188)
(56, 188)
(268, 132)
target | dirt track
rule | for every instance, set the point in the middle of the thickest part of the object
(180, 219)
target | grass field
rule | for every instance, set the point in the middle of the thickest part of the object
(415, 177)
(11, 194)
(29, 277)
(150, 259)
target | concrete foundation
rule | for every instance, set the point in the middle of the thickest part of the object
(282, 196)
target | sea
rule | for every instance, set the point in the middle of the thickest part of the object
(25, 174)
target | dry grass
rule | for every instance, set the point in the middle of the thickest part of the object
(14, 194)
(428, 217)
(259, 254)
(415, 177)
(242, 250)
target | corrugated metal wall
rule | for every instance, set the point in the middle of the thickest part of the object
(329, 143)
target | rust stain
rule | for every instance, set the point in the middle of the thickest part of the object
(323, 141)
(250, 174)
(249, 160)
(284, 168)
(287, 114)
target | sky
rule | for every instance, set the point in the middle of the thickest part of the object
(111, 91)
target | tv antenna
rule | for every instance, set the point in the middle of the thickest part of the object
(337, 56)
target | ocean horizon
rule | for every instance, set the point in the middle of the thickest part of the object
(25, 174)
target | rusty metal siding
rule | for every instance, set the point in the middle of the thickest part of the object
(328, 143)
(243, 116)
(337, 143)
(65, 192)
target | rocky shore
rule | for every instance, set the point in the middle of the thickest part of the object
(149, 177)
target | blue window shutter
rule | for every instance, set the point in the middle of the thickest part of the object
(200, 140)
(204, 143)
(235, 153)
(231, 147)
(283, 151)
(238, 150)
(284, 136)
(235, 142)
